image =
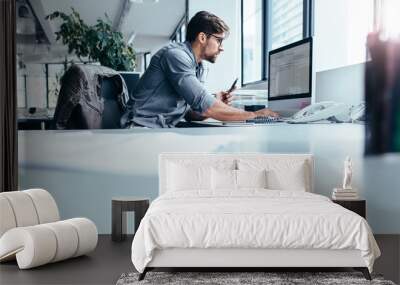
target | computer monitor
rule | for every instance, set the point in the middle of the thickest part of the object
(290, 77)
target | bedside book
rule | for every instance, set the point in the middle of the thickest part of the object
(344, 194)
(334, 197)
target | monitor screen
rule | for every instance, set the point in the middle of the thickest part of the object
(289, 71)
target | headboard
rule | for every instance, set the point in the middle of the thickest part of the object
(231, 159)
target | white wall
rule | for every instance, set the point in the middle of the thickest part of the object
(340, 30)
(85, 169)
(228, 65)
(150, 43)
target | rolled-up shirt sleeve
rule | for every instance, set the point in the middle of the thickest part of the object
(179, 69)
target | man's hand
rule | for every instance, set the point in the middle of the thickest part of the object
(225, 97)
(223, 112)
(266, 113)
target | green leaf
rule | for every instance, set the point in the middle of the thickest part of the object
(98, 42)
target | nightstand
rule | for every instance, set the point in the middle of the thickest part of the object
(357, 206)
(121, 205)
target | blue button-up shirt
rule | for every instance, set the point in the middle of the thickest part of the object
(172, 84)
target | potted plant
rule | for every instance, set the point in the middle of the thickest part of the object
(98, 43)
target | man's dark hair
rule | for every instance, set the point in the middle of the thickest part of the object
(207, 23)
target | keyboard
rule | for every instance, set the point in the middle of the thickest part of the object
(264, 120)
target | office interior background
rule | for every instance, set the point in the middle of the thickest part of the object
(84, 169)
(256, 27)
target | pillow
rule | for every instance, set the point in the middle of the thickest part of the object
(223, 179)
(251, 178)
(293, 178)
(282, 174)
(183, 177)
(226, 179)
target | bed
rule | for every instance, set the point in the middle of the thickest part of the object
(247, 211)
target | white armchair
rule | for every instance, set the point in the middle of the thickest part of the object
(31, 230)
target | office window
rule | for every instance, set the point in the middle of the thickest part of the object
(268, 25)
(387, 18)
(252, 40)
(179, 34)
(286, 22)
(183, 32)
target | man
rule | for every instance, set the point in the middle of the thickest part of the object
(171, 88)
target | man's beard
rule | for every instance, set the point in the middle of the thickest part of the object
(211, 58)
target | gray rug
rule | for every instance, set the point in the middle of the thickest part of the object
(243, 278)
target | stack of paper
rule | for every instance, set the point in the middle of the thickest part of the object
(344, 194)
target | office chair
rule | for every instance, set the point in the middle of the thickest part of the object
(113, 110)
(91, 97)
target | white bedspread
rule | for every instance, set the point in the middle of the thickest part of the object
(250, 219)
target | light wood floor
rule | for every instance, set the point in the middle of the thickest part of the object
(111, 259)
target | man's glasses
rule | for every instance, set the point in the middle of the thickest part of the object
(219, 39)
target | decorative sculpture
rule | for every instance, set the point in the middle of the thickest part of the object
(348, 173)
